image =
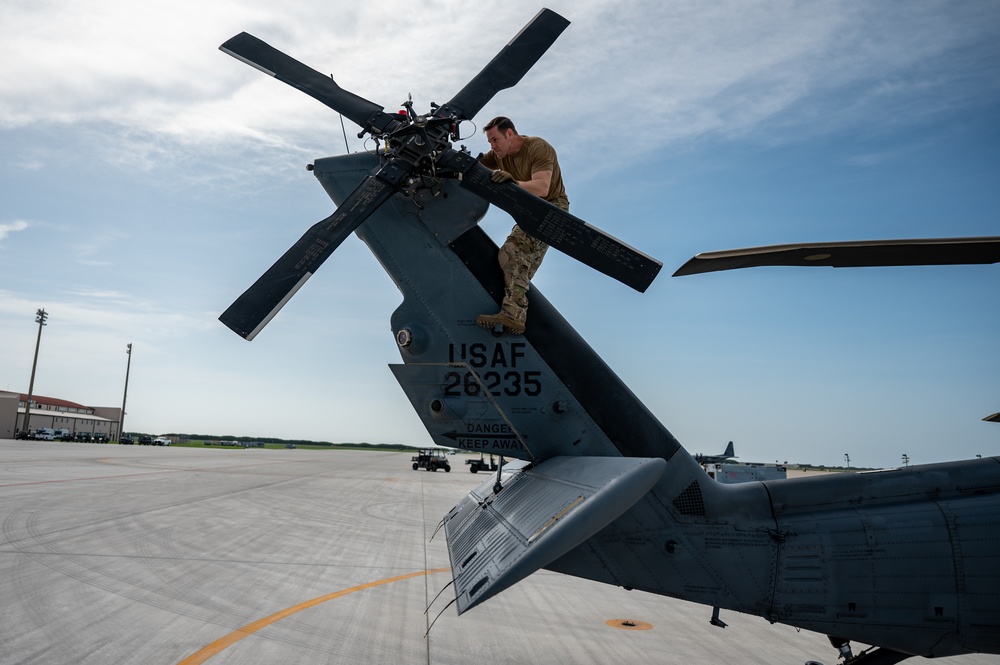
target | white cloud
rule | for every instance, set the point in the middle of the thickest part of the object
(666, 70)
(107, 312)
(6, 228)
(115, 296)
(96, 246)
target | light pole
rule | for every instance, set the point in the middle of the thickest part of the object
(40, 317)
(906, 460)
(848, 458)
(128, 367)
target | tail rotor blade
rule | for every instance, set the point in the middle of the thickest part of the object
(260, 55)
(509, 66)
(262, 301)
(569, 234)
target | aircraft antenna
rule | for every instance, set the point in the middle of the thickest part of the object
(438, 596)
(347, 148)
(438, 617)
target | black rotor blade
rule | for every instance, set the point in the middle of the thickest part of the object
(855, 254)
(509, 65)
(567, 233)
(271, 61)
(259, 304)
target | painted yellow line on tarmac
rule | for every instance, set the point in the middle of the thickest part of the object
(249, 629)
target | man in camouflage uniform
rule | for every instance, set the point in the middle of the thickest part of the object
(531, 163)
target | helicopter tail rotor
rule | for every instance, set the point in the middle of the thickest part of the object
(417, 149)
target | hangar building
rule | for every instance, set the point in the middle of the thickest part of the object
(57, 414)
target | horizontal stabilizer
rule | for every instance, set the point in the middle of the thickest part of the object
(854, 254)
(497, 539)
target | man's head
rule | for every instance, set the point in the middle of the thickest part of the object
(503, 138)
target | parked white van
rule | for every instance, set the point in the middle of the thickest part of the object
(45, 434)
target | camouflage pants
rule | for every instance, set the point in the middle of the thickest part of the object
(519, 258)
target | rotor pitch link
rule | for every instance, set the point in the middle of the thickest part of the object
(567, 233)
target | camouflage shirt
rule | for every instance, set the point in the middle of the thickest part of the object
(534, 156)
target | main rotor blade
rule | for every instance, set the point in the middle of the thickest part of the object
(509, 65)
(569, 234)
(262, 301)
(271, 61)
(856, 254)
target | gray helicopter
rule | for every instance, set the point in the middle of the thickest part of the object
(906, 560)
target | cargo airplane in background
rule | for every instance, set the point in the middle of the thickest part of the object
(725, 456)
(906, 560)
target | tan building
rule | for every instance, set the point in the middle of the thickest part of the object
(57, 414)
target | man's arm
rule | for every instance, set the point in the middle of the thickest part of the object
(542, 158)
(539, 183)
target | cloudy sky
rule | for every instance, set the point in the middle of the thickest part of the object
(146, 179)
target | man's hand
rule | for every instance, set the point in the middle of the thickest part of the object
(501, 176)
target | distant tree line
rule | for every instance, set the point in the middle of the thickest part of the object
(297, 442)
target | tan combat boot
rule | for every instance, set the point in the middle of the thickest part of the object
(511, 316)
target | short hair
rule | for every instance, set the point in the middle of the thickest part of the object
(501, 123)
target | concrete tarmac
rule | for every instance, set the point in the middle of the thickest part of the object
(135, 554)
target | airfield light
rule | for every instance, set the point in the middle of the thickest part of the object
(128, 367)
(41, 316)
